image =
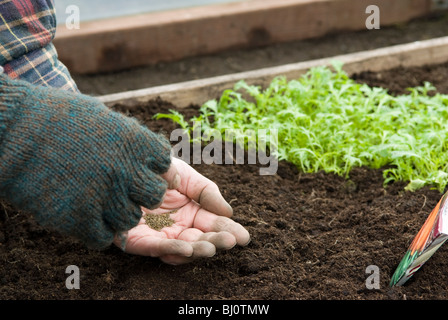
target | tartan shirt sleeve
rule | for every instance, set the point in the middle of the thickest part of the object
(27, 28)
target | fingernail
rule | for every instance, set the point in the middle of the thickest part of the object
(247, 242)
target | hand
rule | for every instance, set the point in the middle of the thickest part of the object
(201, 217)
(77, 166)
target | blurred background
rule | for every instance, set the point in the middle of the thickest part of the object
(124, 45)
(102, 9)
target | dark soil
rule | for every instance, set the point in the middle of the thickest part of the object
(313, 236)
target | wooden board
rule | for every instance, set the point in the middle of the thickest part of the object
(125, 42)
(418, 53)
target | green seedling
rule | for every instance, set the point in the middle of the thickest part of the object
(328, 122)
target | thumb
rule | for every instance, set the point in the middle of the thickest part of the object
(212, 200)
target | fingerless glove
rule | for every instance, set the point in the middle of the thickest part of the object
(77, 166)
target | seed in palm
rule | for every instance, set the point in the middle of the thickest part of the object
(158, 221)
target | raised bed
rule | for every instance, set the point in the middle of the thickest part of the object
(138, 40)
(199, 91)
(313, 235)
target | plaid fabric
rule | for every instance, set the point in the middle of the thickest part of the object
(27, 28)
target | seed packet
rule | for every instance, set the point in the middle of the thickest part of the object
(429, 239)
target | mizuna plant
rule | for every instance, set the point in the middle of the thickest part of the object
(327, 121)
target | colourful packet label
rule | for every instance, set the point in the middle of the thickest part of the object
(429, 239)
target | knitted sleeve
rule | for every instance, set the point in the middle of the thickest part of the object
(77, 166)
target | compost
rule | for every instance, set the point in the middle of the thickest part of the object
(313, 235)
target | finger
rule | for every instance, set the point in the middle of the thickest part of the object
(201, 189)
(201, 249)
(221, 240)
(209, 222)
(157, 247)
(212, 200)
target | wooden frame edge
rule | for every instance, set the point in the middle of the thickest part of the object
(126, 42)
(418, 53)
